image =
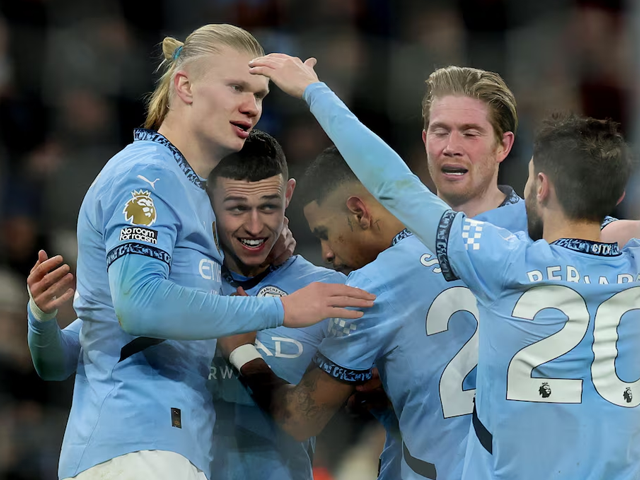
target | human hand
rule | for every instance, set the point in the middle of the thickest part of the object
(50, 283)
(318, 301)
(290, 74)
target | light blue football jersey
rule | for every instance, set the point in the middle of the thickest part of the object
(148, 215)
(248, 445)
(559, 353)
(559, 330)
(422, 336)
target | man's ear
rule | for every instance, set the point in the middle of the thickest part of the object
(183, 86)
(291, 186)
(543, 188)
(505, 146)
(359, 209)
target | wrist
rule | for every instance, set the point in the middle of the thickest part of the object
(38, 314)
(242, 355)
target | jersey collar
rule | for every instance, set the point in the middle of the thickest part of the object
(153, 136)
(511, 196)
(249, 282)
(401, 236)
(587, 246)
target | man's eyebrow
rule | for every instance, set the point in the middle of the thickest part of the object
(235, 199)
(275, 196)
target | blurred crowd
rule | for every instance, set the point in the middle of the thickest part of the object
(73, 78)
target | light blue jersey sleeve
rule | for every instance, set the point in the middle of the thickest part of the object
(54, 352)
(378, 167)
(352, 346)
(479, 253)
(140, 227)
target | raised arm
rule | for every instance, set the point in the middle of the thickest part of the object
(377, 166)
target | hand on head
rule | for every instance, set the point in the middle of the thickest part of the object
(291, 74)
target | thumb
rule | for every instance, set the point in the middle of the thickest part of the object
(42, 256)
(241, 293)
(310, 62)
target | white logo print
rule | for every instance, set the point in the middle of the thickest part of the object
(153, 184)
(472, 231)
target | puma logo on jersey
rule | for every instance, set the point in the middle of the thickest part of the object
(153, 184)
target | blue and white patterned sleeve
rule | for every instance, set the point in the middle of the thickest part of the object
(478, 253)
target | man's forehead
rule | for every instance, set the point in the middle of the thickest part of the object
(459, 109)
(233, 64)
(272, 186)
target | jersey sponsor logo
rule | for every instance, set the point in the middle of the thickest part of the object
(339, 327)
(472, 231)
(140, 234)
(210, 270)
(140, 209)
(271, 291)
(293, 349)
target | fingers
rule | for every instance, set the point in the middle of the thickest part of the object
(344, 301)
(61, 300)
(41, 280)
(41, 269)
(344, 313)
(60, 286)
(42, 256)
(335, 290)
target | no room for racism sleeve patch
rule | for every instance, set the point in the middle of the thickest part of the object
(139, 234)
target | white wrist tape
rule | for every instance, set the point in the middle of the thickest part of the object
(37, 313)
(243, 355)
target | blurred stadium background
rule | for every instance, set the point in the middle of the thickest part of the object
(73, 75)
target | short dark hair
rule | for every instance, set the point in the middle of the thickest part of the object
(326, 173)
(588, 162)
(261, 157)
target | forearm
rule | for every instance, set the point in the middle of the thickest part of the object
(378, 167)
(147, 304)
(295, 408)
(54, 352)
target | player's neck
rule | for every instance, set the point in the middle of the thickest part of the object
(388, 228)
(489, 200)
(201, 158)
(559, 226)
(236, 266)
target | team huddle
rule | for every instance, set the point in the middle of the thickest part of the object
(505, 331)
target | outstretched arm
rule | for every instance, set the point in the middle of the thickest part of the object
(377, 166)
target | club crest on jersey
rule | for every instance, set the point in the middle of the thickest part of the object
(627, 395)
(140, 209)
(545, 390)
(271, 291)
